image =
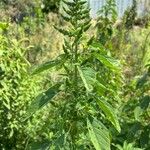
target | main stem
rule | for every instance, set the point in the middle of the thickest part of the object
(76, 61)
(75, 68)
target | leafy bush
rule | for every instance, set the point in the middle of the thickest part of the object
(16, 91)
(135, 114)
(105, 21)
(130, 16)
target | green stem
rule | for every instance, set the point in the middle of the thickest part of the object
(76, 60)
(75, 68)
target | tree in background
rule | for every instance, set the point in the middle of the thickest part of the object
(50, 6)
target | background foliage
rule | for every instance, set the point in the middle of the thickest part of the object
(16, 90)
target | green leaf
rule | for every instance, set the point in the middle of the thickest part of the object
(81, 2)
(3, 25)
(134, 130)
(127, 146)
(84, 79)
(142, 80)
(7, 105)
(69, 3)
(88, 76)
(101, 89)
(107, 61)
(60, 141)
(99, 135)
(138, 112)
(86, 27)
(39, 146)
(41, 100)
(1, 52)
(145, 101)
(109, 112)
(64, 32)
(50, 64)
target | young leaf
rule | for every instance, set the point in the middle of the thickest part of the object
(88, 76)
(138, 111)
(109, 112)
(107, 61)
(99, 135)
(4, 26)
(45, 66)
(69, 3)
(41, 100)
(84, 79)
(101, 89)
(64, 32)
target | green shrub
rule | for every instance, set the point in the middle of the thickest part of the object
(136, 112)
(130, 16)
(16, 91)
(80, 98)
(105, 21)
